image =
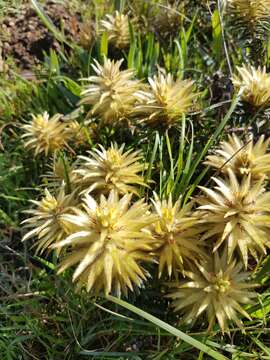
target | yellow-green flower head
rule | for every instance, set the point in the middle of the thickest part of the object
(237, 214)
(111, 169)
(255, 85)
(214, 287)
(108, 243)
(166, 100)
(117, 28)
(177, 238)
(45, 134)
(252, 12)
(47, 225)
(111, 92)
(242, 158)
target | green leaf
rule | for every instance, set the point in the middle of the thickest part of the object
(152, 159)
(217, 35)
(103, 45)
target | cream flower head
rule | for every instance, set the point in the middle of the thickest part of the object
(255, 85)
(176, 236)
(217, 288)
(117, 28)
(110, 92)
(243, 158)
(46, 221)
(108, 242)
(166, 100)
(45, 134)
(111, 169)
(237, 213)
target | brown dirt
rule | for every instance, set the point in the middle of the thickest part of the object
(24, 37)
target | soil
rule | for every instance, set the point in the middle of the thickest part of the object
(24, 37)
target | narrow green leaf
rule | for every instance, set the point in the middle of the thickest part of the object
(217, 35)
(104, 45)
(152, 159)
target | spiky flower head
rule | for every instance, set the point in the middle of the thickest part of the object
(216, 287)
(110, 91)
(45, 134)
(242, 158)
(166, 100)
(108, 243)
(254, 15)
(176, 236)
(117, 28)
(237, 213)
(111, 169)
(255, 85)
(46, 222)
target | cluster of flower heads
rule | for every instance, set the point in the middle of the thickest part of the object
(116, 95)
(164, 20)
(237, 209)
(45, 135)
(233, 220)
(89, 203)
(114, 26)
(92, 214)
(253, 16)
